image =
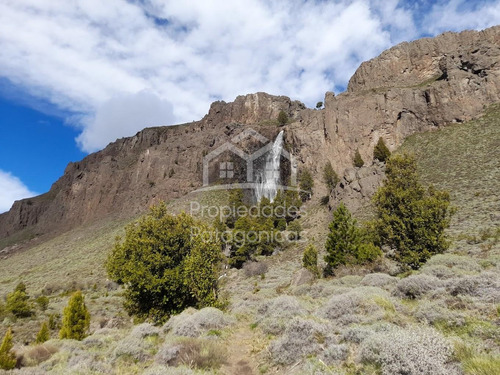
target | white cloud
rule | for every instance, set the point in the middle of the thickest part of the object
(11, 189)
(462, 15)
(120, 116)
(168, 60)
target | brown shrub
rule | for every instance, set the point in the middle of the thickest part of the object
(200, 354)
(35, 355)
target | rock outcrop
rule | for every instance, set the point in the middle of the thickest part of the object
(409, 88)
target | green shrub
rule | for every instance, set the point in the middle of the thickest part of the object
(155, 259)
(319, 105)
(306, 183)
(367, 253)
(281, 224)
(295, 230)
(346, 243)
(235, 200)
(76, 318)
(44, 334)
(54, 321)
(358, 160)
(18, 302)
(43, 302)
(282, 118)
(7, 355)
(381, 152)
(330, 177)
(411, 220)
(252, 236)
(310, 259)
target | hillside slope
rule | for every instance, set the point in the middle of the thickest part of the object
(281, 324)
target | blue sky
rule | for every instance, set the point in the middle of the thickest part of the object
(76, 75)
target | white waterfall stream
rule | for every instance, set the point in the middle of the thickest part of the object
(268, 179)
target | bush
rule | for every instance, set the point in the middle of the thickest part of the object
(254, 268)
(457, 263)
(295, 230)
(381, 152)
(277, 313)
(199, 354)
(282, 306)
(7, 356)
(416, 351)
(378, 280)
(144, 330)
(76, 318)
(301, 338)
(54, 321)
(35, 355)
(17, 302)
(410, 219)
(135, 347)
(282, 118)
(415, 286)
(358, 305)
(437, 312)
(43, 302)
(330, 177)
(345, 242)
(44, 334)
(193, 323)
(310, 259)
(358, 160)
(486, 286)
(167, 264)
(252, 236)
(306, 184)
(343, 239)
(334, 353)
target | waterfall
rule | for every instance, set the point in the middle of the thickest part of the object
(268, 180)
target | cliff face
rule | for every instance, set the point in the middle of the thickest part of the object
(409, 88)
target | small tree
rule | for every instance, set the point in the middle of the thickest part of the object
(282, 118)
(343, 239)
(306, 183)
(43, 302)
(310, 259)
(411, 219)
(330, 177)
(7, 355)
(358, 160)
(381, 152)
(76, 318)
(319, 105)
(44, 334)
(294, 229)
(17, 302)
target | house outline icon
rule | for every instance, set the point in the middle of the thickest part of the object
(248, 158)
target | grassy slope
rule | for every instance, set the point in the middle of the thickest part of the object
(463, 158)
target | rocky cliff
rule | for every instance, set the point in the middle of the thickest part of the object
(409, 88)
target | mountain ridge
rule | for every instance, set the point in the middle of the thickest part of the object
(432, 82)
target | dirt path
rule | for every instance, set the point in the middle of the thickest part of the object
(240, 359)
